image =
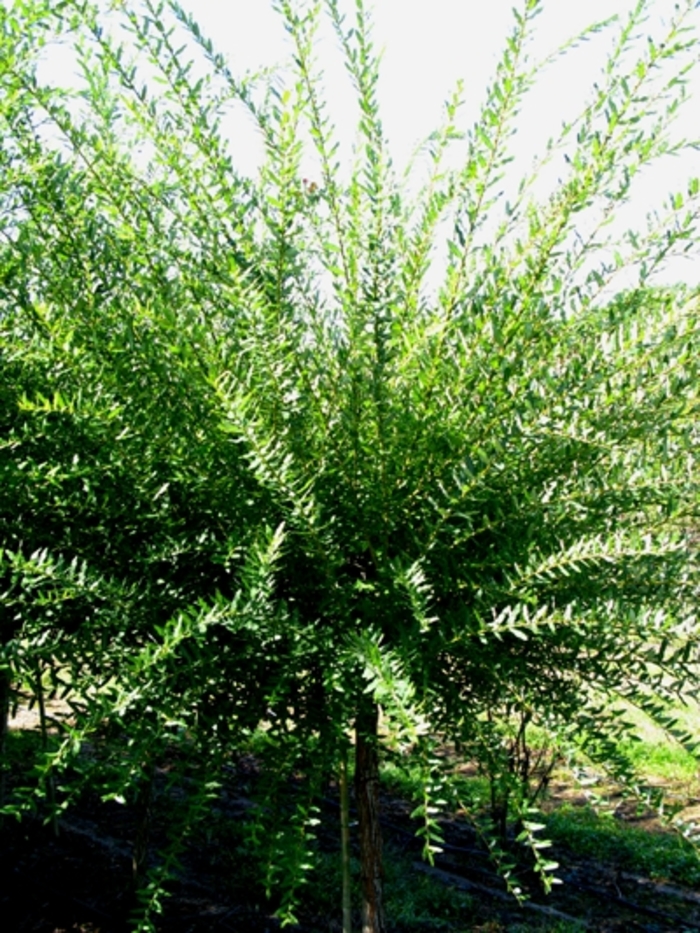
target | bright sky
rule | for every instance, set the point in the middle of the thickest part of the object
(427, 45)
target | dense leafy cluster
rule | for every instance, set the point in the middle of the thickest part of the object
(255, 466)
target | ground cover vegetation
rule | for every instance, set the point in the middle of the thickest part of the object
(259, 466)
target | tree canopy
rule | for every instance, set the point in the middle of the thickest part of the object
(256, 467)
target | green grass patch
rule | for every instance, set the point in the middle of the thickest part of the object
(406, 780)
(664, 760)
(412, 901)
(545, 926)
(656, 753)
(662, 855)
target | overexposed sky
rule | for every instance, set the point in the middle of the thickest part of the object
(427, 45)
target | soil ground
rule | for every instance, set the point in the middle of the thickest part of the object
(80, 879)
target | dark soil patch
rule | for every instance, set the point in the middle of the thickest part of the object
(80, 879)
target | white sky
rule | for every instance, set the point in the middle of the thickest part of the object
(427, 45)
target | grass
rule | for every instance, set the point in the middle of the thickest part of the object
(658, 756)
(417, 903)
(663, 761)
(654, 851)
(405, 780)
(413, 903)
(662, 855)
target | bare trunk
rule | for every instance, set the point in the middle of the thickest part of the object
(345, 842)
(4, 716)
(49, 783)
(142, 834)
(367, 795)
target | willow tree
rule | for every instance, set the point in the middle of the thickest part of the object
(333, 454)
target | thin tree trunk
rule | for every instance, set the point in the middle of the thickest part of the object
(49, 783)
(345, 842)
(4, 717)
(142, 833)
(367, 797)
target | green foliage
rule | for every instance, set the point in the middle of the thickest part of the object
(255, 467)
